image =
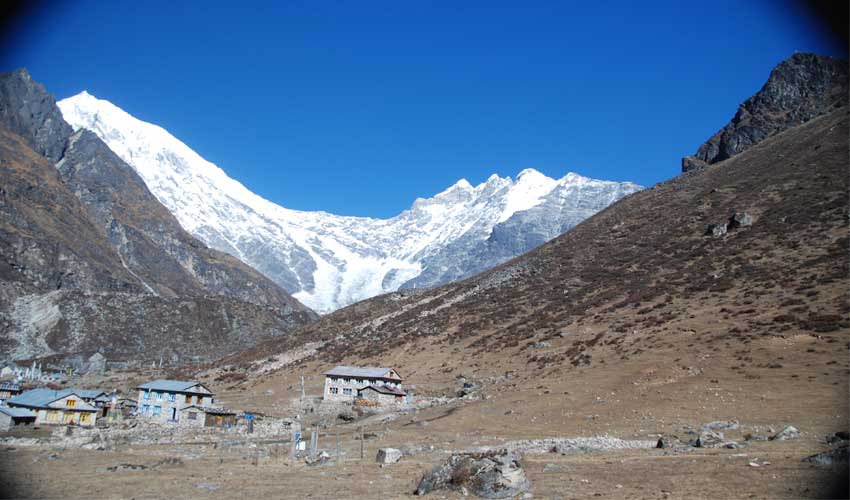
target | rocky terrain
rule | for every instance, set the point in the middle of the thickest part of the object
(92, 261)
(326, 260)
(802, 87)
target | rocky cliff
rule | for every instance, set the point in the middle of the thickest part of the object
(800, 88)
(91, 260)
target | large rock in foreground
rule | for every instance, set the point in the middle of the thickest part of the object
(488, 475)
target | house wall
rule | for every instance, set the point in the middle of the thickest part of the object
(5, 422)
(346, 388)
(219, 420)
(186, 421)
(383, 399)
(67, 411)
(167, 402)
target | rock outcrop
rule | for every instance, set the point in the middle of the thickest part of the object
(91, 261)
(802, 87)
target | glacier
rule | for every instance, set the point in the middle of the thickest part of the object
(328, 261)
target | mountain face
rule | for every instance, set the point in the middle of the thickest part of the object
(92, 261)
(328, 261)
(800, 88)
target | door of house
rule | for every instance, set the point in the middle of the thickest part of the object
(174, 414)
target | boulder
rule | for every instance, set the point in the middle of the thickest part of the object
(835, 456)
(837, 437)
(739, 219)
(668, 442)
(388, 456)
(709, 439)
(722, 425)
(716, 230)
(789, 432)
(496, 474)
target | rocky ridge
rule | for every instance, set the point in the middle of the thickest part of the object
(799, 89)
(91, 261)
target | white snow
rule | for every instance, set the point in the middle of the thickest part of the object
(347, 259)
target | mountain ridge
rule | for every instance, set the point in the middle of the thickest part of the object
(328, 261)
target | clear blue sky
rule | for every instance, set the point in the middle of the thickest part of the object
(358, 108)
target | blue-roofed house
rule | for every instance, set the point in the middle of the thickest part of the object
(52, 407)
(12, 417)
(162, 400)
(343, 382)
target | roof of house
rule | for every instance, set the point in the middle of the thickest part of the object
(171, 385)
(17, 412)
(356, 371)
(384, 389)
(87, 393)
(10, 386)
(41, 398)
(210, 409)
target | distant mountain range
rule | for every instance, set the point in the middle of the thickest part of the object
(328, 261)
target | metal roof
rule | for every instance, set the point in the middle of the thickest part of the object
(383, 389)
(17, 412)
(41, 398)
(364, 372)
(87, 393)
(10, 386)
(172, 386)
(210, 409)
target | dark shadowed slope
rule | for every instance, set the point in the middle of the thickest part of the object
(90, 225)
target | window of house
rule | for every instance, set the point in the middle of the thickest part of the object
(85, 418)
(71, 402)
(147, 395)
(347, 391)
(334, 390)
(188, 399)
(159, 396)
(172, 396)
(193, 415)
(361, 381)
(146, 409)
(156, 410)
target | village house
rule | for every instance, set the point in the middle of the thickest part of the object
(343, 382)
(12, 417)
(162, 400)
(381, 394)
(56, 407)
(8, 390)
(206, 416)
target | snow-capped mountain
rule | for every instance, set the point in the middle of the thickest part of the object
(328, 261)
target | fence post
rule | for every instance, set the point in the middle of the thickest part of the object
(361, 443)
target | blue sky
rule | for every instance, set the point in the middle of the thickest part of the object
(357, 108)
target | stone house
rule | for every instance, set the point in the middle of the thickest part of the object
(382, 394)
(206, 416)
(8, 390)
(12, 417)
(343, 382)
(161, 400)
(56, 407)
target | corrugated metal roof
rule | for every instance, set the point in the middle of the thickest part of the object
(383, 389)
(41, 398)
(17, 412)
(170, 385)
(355, 371)
(87, 393)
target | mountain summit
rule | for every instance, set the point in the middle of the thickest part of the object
(328, 261)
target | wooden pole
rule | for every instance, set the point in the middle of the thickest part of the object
(337, 446)
(361, 443)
